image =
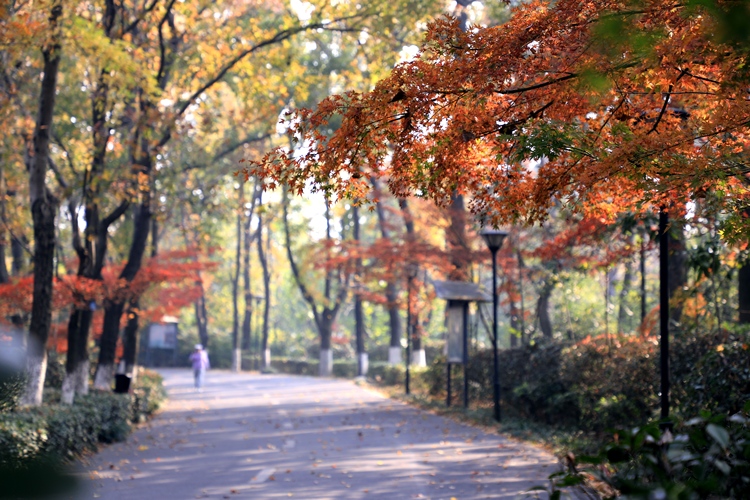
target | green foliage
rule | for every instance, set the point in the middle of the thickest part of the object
(56, 431)
(65, 431)
(55, 370)
(720, 379)
(11, 388)
(296, 366)
(607, 382)
(709, 457)
(148, 395)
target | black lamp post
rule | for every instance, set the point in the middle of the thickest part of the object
(494, 240)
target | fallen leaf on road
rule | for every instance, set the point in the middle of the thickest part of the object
(142, 447)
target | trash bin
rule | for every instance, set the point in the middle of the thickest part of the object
(122, 383)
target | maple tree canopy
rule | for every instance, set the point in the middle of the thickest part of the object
(604, 105)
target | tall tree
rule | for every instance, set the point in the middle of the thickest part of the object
(326, 309)
(263, 255)
(236, 334)
(359, 319)
(391, 292)
(43, 211)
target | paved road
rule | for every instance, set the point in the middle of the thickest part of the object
(273, 436)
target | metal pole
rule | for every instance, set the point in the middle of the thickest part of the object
(408, 331)
(664, 311)
(643, 278)
(448, 384)
(466, 354)
(520, 289)
(495, 377)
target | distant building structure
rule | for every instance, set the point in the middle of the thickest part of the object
(159, 343)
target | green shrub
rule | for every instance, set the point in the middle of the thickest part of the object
(66, 431)
(386, 374)
(148, 394)
(605, 382)
(295, 366)
(55, 370)
(707, 457)
(345, 369)
(720, 380)
(11, 389)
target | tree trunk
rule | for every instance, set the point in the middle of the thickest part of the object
(391, 292)
(265, 351)
(130, 338)
(542, 310)
(325, 317)
(248, 296)
(236, 350)
(522, 312)
(643, 279)
(744, 292)
(76, 363)
(456, 238)
(201, 318)
(418, 357)
(325, 329)
(105, 368)
(4, 276)
(43, 212)
(514, 324)
(359, 327)
(113, 309)
(627, 281)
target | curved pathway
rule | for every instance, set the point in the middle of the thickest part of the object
(276, 436)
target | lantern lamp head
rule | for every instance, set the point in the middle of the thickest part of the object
(494, 238)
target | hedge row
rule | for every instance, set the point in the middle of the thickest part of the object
(379, 371)
(594, 384)
(608, 382)
(67, 431)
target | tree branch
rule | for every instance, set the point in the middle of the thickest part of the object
(295, 270)
(116, 214)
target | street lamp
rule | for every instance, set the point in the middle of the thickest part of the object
(494, 240)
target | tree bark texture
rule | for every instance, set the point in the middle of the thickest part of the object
(130, 339)
(201, 318)
(43, 212)
(542, 309)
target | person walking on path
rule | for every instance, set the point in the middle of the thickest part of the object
(199, 358)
